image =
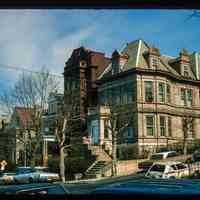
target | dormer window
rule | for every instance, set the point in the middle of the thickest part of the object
(186, 72)
(155, 62)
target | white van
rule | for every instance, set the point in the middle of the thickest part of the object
(166, 170)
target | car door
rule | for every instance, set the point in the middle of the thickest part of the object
(172, 172)
(182, 170)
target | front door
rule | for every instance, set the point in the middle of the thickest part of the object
(95, 132)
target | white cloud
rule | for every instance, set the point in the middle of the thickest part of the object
(63, 47)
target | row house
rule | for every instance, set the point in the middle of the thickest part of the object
(161, 94)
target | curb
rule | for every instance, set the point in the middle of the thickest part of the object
(96, 179)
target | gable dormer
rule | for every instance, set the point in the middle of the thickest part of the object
(153, 58)
(118, 61)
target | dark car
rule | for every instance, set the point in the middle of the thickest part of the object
(37, 188)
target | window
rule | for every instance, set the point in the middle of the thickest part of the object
(172, 154)
(129, 90)
(168, 93)
(148, 91)
(181, 166)
(102, 97)
(105, 128)
(186, 96)
(189, 97)
(158, 168)
(186, 71)
(161, 92)
(156, 157)
(183, 96)
(154, 62)
(129, 132)
(124, 95)
(150, 125)
(162, 126)
(169, 126)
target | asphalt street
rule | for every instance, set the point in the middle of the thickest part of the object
(81, 187)
(87, 187)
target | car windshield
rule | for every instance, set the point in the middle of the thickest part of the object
(158, 168)
(156, 157)
(41, 169)
(25, 170)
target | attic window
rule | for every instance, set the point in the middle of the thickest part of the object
(186, 71)
(154, 62)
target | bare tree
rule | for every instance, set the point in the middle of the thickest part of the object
(31, 92)
(118, 122)
(64, 130)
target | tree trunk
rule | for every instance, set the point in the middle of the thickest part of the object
(185, 147)
(114, 156)
(62, 164)
(33, 160)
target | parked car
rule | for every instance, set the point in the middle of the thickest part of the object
(7, 178)
(167, 170)
(36, 188)
(37, 174)
(45, 176)
(144, 166)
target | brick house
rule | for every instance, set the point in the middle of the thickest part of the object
(80, 73)
(160, 92)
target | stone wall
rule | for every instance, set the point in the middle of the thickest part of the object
(126, 167)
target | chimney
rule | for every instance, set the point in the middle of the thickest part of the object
(115, 62)
(184, 63)
(184, 56)
(153, 57)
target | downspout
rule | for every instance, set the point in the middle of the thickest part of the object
(156, 102)
(142, 96)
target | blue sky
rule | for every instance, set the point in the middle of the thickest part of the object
(35, 38)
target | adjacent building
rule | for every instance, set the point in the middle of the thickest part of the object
(19, 131)
(50, 116)
(161, 94)
(80, 90)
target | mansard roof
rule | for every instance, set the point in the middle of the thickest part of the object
(137, 51)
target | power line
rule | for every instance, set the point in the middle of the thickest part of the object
(27, 70)
(30, 71)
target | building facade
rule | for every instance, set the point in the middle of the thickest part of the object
(80, 90)
(161, 94)
(50, 116)
(19, 131)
